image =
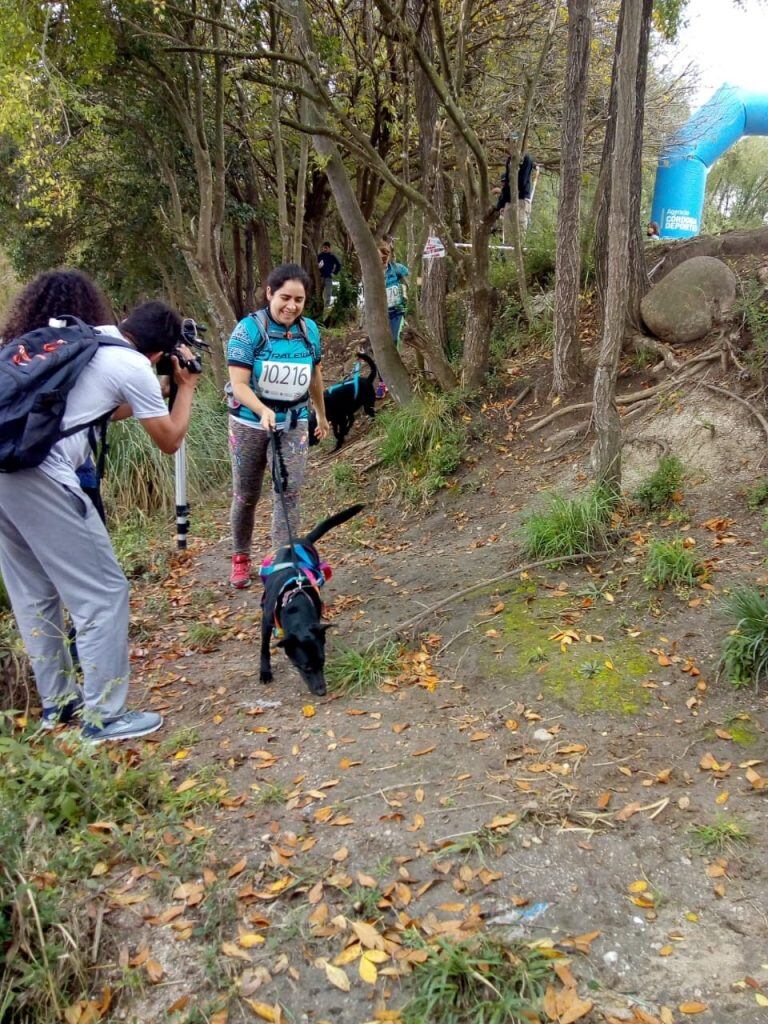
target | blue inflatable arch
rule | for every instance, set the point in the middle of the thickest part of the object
(681, 177)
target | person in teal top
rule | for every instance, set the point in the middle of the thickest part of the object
(395, 275)
(274, 374)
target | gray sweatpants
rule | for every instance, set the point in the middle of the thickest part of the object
(54, 552)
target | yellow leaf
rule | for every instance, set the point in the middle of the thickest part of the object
(348, 955)
(99, 868)
(368, 971)
(264, 1011)
(640, 886)
(693, 1007)
(760, 999)
(308, 711)
(690, 916)
(376, 956)
(723, 797)
(231, 950)
(187, 784)
(337, 977)
(250, 939)
(666, 950)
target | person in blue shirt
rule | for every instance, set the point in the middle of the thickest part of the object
(274, 373)
(395, 275)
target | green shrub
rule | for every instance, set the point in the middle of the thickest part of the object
(570, 526)
(758, 494)
(425, 441)
(662, 487)
(355, 673)
(480, 980)
(745, 653)
(669, 562)
(722, 836)
(751, 306)
(64, 809)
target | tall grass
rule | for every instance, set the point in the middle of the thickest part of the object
(745, 653)
(425, 441)
(662, 487)
(139, 477)
(570, 526)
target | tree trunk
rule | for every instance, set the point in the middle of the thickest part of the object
(607, 450)
(567, 365)
(637, 276)
(434, 286)
(282, 188)
(386, 355)
(482, 303)
(301, 189)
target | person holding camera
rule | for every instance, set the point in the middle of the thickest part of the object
(274, 371)
(54, 548)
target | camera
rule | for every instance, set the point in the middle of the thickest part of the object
(190, 336)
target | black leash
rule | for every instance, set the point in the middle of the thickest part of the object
(280, 478)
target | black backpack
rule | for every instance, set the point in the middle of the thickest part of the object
(37, 372)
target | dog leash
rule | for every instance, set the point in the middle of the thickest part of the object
(280, 477)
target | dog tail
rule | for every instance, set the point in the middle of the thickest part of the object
(371, 364)
(333, 521)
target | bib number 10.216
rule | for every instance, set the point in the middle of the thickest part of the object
(286, 381)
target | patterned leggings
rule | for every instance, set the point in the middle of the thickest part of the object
(251, 453)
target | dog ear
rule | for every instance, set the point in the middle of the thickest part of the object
(320, 629)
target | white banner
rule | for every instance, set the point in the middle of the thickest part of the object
(434, 249)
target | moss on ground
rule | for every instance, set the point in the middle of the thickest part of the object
(605, 675)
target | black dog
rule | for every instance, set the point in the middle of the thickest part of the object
(342, 401)
(291, 605)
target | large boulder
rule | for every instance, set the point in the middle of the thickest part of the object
(690, 300)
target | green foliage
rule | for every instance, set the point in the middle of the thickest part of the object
(757, 495)
(482, 980)
(51, 791)
(737, 188)
(425, 441)
(745, 652)
(355, 673)
(477, 844)
(663, 485)
(570, 526)
(140, 477)
(751, 306)
(669, 562)
(723, 836)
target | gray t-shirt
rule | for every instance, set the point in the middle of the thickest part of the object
(114, 376)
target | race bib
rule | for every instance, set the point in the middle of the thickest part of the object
(394, 295)
(286, 382)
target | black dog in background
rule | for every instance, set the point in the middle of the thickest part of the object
(342, 401)
(292, 606)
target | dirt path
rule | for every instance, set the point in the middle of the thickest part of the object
(541, 761)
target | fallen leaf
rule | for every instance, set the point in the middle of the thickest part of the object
(155, 971)
(236, 869)
(265, 1011)
(337, 977)
(693, 1007)
(308, 711)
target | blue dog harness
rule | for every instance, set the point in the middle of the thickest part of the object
(353, 378)
(309, 575)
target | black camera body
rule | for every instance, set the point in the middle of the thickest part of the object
(190, 336)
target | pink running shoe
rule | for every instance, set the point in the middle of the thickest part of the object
(240, 577)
